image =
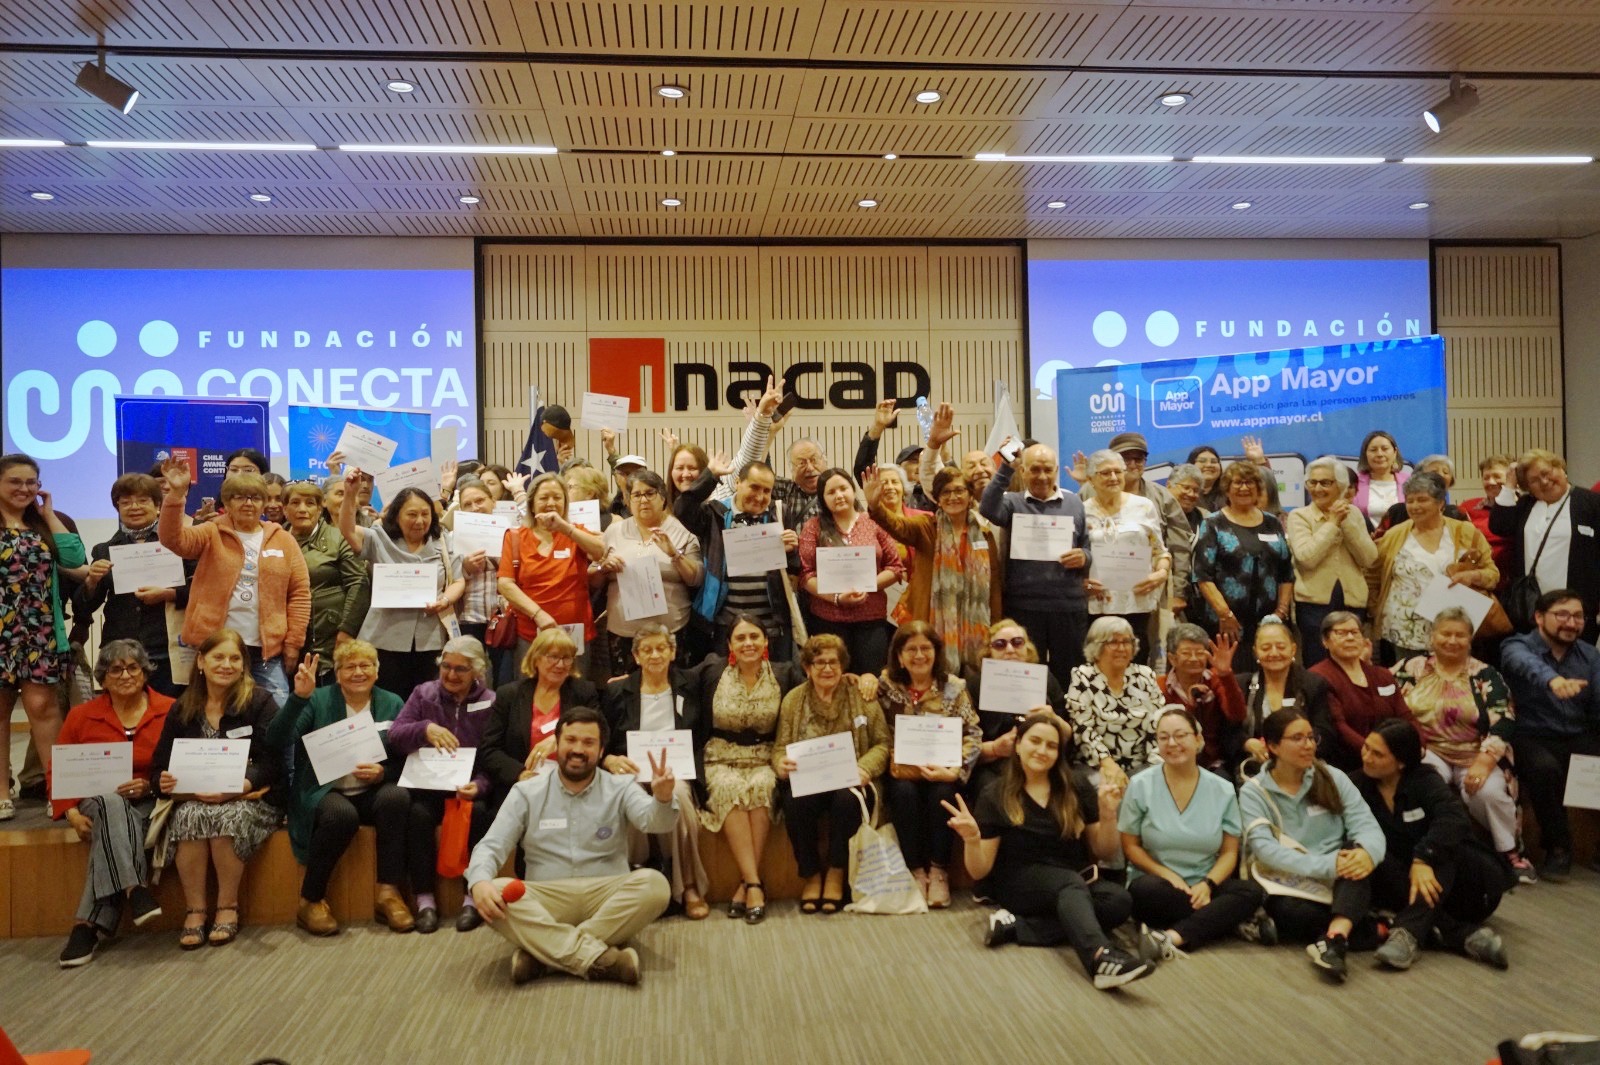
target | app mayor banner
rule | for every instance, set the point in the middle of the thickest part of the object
(1302, 403)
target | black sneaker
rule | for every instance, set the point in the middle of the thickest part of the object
(81, 945)
(1557, 865)
(1111, 968)
(1328, 954)
(143, 905)
(1002, 928)
(1259, 929)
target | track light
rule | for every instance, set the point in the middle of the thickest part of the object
(95, 79)
(1462, 98)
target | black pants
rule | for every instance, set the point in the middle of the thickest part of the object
(804, 817)
(1162, 906)
(1055, 905)
(1058, 636)
(1304, 921)
(919, 821)
(867, 641)
(160, 677)
(1472, 887)
(422, 841)
(401, 671)
(1542, 769)
(334, 825)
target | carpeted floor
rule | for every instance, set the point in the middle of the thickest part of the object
(845, 989)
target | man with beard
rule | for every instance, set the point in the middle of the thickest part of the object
(580, 904)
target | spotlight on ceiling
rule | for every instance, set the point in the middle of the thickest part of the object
(1176, 99)
(96, 80)
(401, 86)
(42, 197)
(891, 156)
(1461, 99)
(671, 92)
(929, 96)
(671, 201)
(668, 152)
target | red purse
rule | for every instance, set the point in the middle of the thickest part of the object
(453, 831)
(501, 634)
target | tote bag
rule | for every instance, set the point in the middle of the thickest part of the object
(879, 879)
(1279, 881)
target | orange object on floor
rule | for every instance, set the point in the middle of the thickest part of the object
(9, 1055)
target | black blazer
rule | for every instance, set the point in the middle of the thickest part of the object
(1435, 835)
(507, 738)
(265, 769)
(1314, 701)
(621, 703)
(1583, 561)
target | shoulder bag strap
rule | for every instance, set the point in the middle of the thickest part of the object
(1545, 539)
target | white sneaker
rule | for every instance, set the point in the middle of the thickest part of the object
(1155, 946)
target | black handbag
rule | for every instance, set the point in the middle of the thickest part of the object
(1522, 595)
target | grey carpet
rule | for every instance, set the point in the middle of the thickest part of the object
(879, 990)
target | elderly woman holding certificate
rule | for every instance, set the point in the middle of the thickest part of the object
(664, 559)
(544, 568)
(325, 811)
(1130, 563)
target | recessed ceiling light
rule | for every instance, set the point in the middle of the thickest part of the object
(29, 142)
(1242, 205)
(891, 156)
(1176, 99)
(671, 201)
(668, 152)
(1056, 205)
(1420, 205)
(671, 92)
(43, 197)
(401, 86)
(929, 96)
(467, 199)
(260, 197)
(866, 203)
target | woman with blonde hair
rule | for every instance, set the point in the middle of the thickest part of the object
(521, 733)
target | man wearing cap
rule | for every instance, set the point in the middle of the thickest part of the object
(885, 417)
(1175, 527)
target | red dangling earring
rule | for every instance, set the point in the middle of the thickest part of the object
(730, 656)
(765, 653)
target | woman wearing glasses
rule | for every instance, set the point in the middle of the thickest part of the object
(1008, 642)
(1180, 831)
(651, 537)
(1360, 694)
(1113, 704)
(1332, 553)
(1121, 522)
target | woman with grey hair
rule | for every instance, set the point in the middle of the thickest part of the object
(1123, 526)
(1332, 553)
(1187, 483)
(1113, 704)
(114, 823)
(1440, 466)
(447, 714)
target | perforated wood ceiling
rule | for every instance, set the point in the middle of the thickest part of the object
(789, 110)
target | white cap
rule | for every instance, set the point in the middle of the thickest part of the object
(632, 460)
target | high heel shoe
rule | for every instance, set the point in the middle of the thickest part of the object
(755, 914)
(737, 907)
(194, 937)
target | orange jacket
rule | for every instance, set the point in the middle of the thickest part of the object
(284, 584)
(95, 722)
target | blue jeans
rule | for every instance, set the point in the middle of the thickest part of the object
(268, 673)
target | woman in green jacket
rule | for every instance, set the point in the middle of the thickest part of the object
(341, 586)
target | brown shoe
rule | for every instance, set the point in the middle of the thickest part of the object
(316, 918)
(391, 910)
(525, 967)
(620, 966)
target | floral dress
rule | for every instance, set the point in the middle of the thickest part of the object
(28, 649)
(1107, 724)
(1415, 567)
(740, 774)
(1247, 563)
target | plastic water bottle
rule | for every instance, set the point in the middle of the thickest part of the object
(924, 416)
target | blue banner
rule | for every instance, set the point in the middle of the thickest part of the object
(314, 430)
(152, 429)
(1302, 403)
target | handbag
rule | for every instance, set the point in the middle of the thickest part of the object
(1278, 881)
(501, 633)
(158, 838)
(879, 879)
(1523, 593)
(454, 828)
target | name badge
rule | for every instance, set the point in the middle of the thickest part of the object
(562, 552)
(1314, 810)
(1267, 538)
(861, 721)
(1411, 815)
(272, 552)
(240, 733)
(1386, 689)
(549, 726)
(980, 545)
(552, 823)
(1288, 700)
(1586, 530)
(484, 704)
(383, 726)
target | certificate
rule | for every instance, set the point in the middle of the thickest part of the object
(430, 769)
(1119, 566)
(678, 743)
(927, 739)
(586, 513)
(419, 474)
(79, 770)
(1440, 593)
(846, 569)
(1012, 687)
(135, 566)
(576, 632)
(365, 449)
(1042, 537)
(209, 767)
(338, 748)
(482, 532)
(506, 506)
(752, 550)
(639, 585)
(826, 763)
(601, 411)
(400, 585)
(1583, 782)
(444, 444)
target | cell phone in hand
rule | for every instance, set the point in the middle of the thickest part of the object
(1011, 450)
(786, 405)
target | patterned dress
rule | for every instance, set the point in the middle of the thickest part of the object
(28, 653)
(1247, 563)
(739, 774)
(248, 821)
(1122, 726)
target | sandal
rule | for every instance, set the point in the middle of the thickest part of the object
(832, 903)
(808, 903)
(8, 809)
(736, 905)
(755, 914)
(194, 937)
(225, 932)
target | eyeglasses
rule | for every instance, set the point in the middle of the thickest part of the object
(126, 669)
(17, 482)
(445, 667)
(1320, 482)
(644, 493)
(1120, 641)
(558, 659)
(1565, 615)
(1000, 644)
(247, 498)
(1173, 737)
(1304, 739)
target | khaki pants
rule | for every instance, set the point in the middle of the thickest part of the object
(568, 924)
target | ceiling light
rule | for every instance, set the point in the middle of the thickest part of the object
(1243, 205)
(468, 199)
(1420, 205)
(1056, 205)
(260, 197)
(453, 149)
(204, 146)
(96, 80)
(1002, 157)
(866, 203)
(1290, 160)
(671, 92)
(401, 86)
(929, 96)
(42, 197)
(671, 201)
(1461, 99)
(668, 152)
(1176, 99)
(891, 157)
(1498, 160)
(27, 142)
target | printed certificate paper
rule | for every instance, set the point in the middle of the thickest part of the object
(79, 770)
(338, 748)
(826, 763)
(209, 767)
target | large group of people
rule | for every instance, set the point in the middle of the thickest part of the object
(1245, 721)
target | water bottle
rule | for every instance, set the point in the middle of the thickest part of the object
(924, 416)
